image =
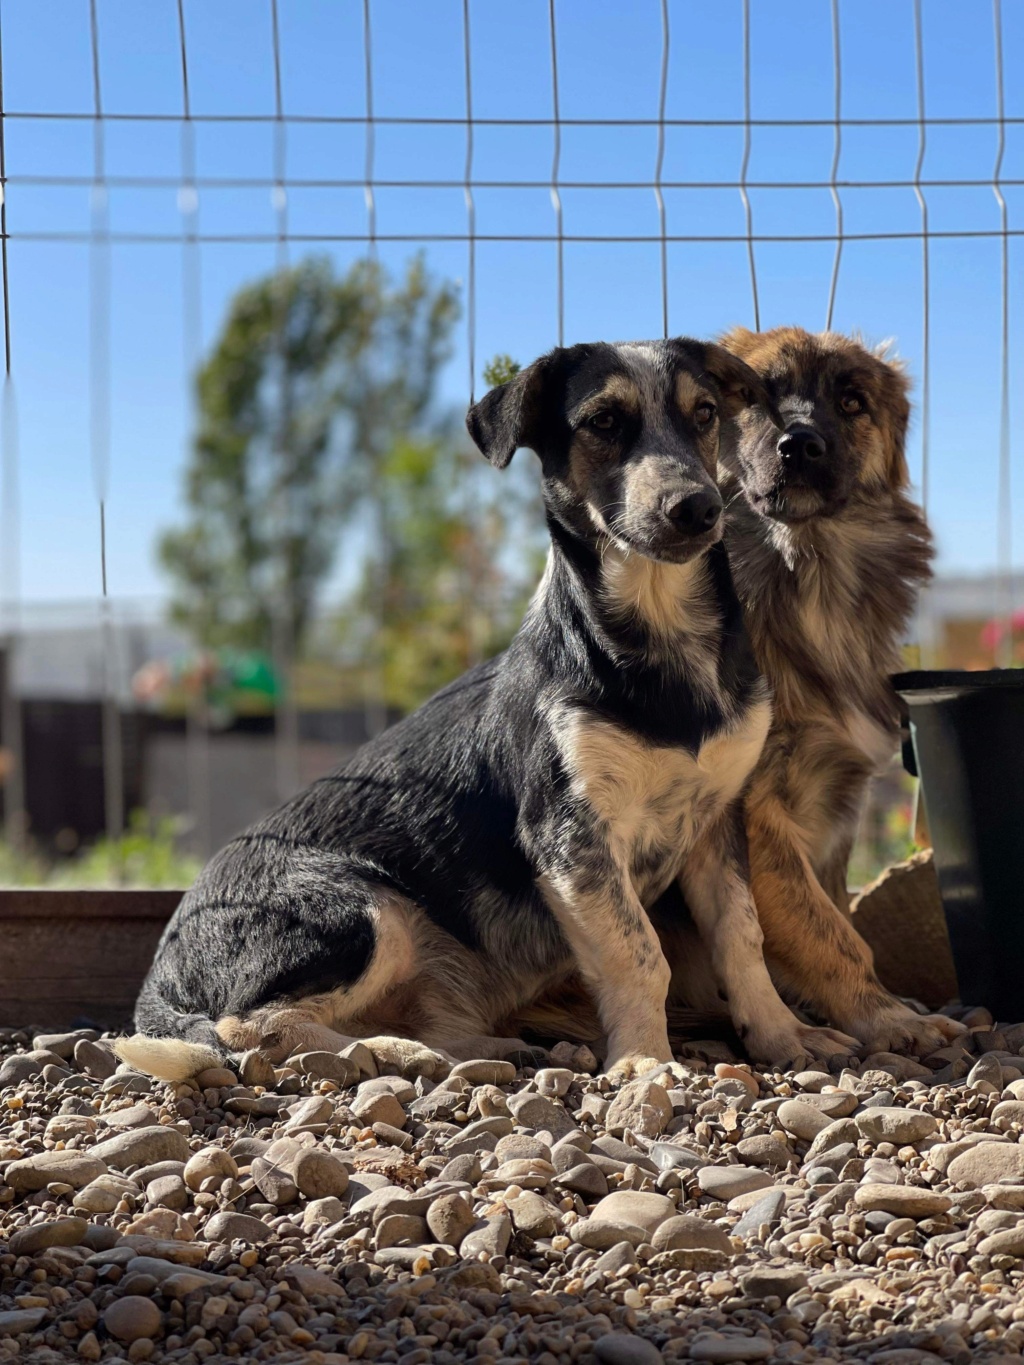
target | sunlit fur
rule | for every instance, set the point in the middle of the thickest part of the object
(827, 598)
(519, 824)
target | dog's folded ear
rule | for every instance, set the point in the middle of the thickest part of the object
(509, 416)
(739, 385)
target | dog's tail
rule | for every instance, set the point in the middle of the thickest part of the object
(168, 1059)
(174, 1046)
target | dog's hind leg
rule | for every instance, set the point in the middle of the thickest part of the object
(818, 954)
(716, 884)
(318, 1021)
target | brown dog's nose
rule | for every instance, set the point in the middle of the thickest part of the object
(694, 513)
(801, 445)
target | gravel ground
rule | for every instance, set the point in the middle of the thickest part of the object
(382, 1205)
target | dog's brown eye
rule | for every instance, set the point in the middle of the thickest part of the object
(704, 413)
(603, 421)
(851, 402)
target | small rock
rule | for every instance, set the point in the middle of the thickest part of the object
(765, 1281)
(690, 1233)
(905, 1201)
(168, 1192)
(634, 1208)
(450, 1218)
(45, 1168)
(731, 1348)
(601, 1233)
(801, 1119)
(236, 1227)
(838, 1132)
(61, 1232)
(553, 1080)
(903, 1127)
(212, 1163)
(400, 1229)
(768, 1209)
(532, 1214)
(95, 1059)
(465, 1167)
(309, 1114)
(764, 1150)
(274, 1181)
(143, 1147)
(726, 1182)
(378, 1106)
(135, 1116)
(326, 1066)
(255, 1069)
(133, 1318)
(987, 1163)
(541, 1114)
(813, 1081)
(492, 1237)
(617, 1261)
(986, 1075)
(1009, 1111)
(216, 1078)
(585, 1179)
(485, 1072)
(619, 1349)
(319, 1175)
(18, 1320)
(668, 1156)
(1005, 1242)
(322, 1213)
(641, 1107)
(521, 1147)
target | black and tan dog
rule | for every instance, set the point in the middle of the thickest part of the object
(518, 825)
(828, 553)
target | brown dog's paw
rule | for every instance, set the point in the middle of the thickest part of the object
(629, 1066)
(899, 1029)
(797, 1045)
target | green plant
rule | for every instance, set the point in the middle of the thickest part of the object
(145, 855)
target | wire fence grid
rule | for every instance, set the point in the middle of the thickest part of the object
(191, 239)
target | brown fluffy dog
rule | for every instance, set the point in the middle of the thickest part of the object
(828, 553)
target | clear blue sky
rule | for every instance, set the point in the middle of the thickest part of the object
(609, 54)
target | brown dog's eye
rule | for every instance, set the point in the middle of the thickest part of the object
(602, 421)
(704, 414)
(851, 403)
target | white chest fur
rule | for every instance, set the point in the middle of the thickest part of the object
(653, 800)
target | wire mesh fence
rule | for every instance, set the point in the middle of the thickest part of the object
(663, 194)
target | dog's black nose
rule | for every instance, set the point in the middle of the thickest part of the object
(800, 445)
(694, 513)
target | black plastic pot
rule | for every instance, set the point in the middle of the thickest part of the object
(968, 749)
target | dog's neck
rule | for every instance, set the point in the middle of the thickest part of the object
(634, 605)
(834, 595)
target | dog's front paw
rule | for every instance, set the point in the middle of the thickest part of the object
(795, 1046)
(898, 1028)
(630, 1065)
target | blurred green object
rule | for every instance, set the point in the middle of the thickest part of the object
(224, 682)
(146, 855)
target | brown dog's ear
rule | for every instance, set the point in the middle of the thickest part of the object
(508, 416)
(740, 386)
(895, 407)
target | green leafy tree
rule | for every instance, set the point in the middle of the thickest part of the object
(311, 383)
(449, 585)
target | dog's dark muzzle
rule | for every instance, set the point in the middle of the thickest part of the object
(802, 452)
(693, 514)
